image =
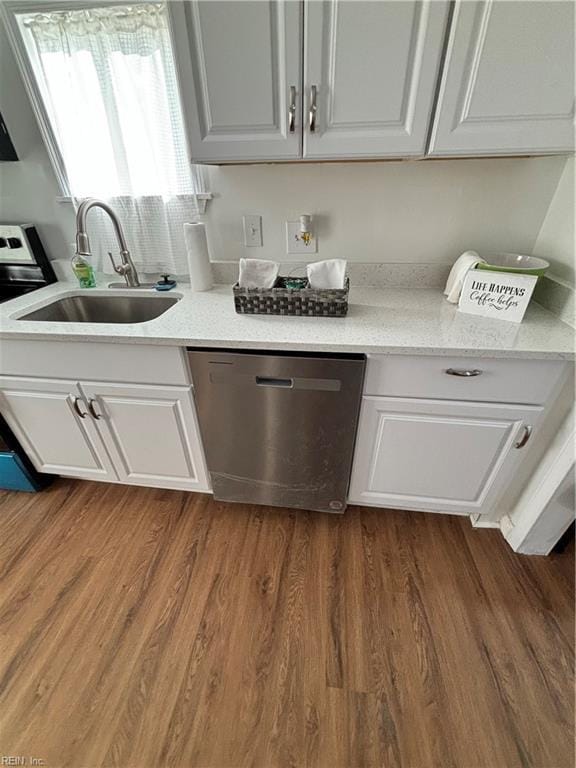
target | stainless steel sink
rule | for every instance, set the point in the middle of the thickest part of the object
(102, 309)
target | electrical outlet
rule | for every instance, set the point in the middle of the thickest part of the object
(294, 244)
(252, 231)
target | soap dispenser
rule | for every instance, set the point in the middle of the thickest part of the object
(83, 270)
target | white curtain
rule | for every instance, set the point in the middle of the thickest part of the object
(108, 80)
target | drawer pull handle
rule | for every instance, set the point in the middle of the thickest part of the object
(525, 437)
(465, 372)
(92, 410)
(75, 404)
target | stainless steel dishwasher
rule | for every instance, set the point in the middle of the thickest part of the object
(278, 428)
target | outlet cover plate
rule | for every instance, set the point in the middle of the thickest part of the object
(293, 242)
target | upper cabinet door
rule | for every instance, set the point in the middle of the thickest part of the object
(374, 67)
(240, 74)
(508, 80)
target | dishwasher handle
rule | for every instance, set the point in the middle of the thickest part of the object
(272, 381)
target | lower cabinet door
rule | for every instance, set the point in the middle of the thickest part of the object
(151, 433)
(433, 455)
(53, 425)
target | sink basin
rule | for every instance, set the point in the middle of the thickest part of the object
(102, 309)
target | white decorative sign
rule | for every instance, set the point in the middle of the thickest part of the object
(496, 294)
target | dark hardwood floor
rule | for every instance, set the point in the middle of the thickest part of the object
(144, 628)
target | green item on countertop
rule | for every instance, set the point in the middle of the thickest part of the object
(84, 271)
(293, 283)
(515, 263)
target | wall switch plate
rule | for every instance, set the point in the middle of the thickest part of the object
(293, 242)
(252, 231)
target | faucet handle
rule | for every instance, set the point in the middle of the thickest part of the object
(119, 268)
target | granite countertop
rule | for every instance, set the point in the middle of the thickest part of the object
(389, 320)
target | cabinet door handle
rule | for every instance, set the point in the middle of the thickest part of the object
(76, 406)
(292, 109)
(525, 437)
(465, 372)
(313, 109)
(92, 409)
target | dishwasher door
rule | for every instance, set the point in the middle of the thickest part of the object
(278, 429)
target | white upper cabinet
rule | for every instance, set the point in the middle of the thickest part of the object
(239, 66)
(371, 68)
(265, 80)
(508, 80)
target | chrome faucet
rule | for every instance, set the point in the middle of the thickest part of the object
(127, 268)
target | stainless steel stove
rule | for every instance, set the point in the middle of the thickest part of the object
(24, 265)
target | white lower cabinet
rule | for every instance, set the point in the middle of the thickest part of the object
(442, 456)
(52, 423)
(151, 433)
(142, 435)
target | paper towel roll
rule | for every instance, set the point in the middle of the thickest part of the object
(199, 266)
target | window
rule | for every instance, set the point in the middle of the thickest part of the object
(107, 82)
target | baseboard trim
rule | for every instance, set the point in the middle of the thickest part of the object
(477, 522)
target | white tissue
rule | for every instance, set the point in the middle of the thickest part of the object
(199, 266)
(327, 274)
(257, 273)
(467, 261)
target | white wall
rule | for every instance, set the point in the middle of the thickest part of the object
(545, 507)
(555, 241)
(28, 187)
(409, 211)
(376, 212)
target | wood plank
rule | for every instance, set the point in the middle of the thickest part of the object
(143, 627)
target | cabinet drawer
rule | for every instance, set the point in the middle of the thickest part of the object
(503, 381)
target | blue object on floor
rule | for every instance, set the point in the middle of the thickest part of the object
(14, 476)
(166, 284)
(17, 473)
